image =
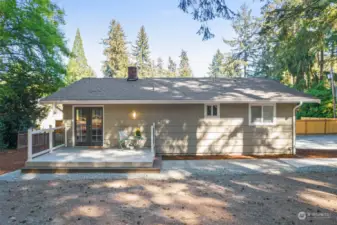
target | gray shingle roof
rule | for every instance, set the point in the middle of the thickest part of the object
(179, 89)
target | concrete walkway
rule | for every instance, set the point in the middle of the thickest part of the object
(317, 142)
(181, 169)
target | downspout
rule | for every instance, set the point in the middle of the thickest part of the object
(294, 126)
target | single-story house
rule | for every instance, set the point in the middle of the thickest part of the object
(192, 116)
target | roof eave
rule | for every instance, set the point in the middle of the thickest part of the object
(174, 101)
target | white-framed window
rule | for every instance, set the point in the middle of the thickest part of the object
(262, 114)
(212, 110)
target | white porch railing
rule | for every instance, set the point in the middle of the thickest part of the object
(34, 135)
(153, 136)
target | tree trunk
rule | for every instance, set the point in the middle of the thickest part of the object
(321, 64)
(245, 58)
(333, 79)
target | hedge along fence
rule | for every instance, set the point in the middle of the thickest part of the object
(316, 126)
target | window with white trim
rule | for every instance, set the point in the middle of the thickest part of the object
(212, 110)
(262, 114)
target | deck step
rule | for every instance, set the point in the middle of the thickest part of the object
(155, 168)
(145, 164)
(88, 170)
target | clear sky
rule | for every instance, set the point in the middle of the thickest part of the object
(168, 28)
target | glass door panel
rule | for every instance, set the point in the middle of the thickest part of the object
(81, 125)
(88, 126)
(96, 126)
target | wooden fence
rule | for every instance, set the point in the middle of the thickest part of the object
(316, 126)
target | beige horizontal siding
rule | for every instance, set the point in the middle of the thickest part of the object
(223, 150)
(182, 129)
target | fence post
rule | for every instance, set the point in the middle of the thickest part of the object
(50, 138)
(29, 144)
(65, 136)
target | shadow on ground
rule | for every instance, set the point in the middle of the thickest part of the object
(218, 199)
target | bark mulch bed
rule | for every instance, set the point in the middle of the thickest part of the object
(300, 153)
(314, 153)
(220, 157)
(11, 160)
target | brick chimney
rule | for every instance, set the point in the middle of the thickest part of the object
(132, 73)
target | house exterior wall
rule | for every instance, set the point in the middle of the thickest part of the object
(51, 118)
(181, 129)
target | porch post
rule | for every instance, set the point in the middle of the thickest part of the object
(65, 135)
(29, 144)
(152, 138)
(50, 138)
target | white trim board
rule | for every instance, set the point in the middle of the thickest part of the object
(73, 120)
(100, 102)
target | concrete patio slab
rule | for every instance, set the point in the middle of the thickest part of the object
(317, 142)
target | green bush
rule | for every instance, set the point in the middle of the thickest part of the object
(323, 110)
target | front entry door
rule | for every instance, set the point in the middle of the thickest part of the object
(88, 126)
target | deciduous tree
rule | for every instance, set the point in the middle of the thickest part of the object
(32, 47)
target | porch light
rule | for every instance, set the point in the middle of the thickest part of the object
(134, 115)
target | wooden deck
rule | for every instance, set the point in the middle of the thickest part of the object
(83, 157)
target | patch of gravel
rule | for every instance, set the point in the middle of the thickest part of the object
(173, 173)
(203, 199)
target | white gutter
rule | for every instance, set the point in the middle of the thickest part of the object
(294, 126)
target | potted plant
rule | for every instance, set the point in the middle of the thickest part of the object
(138, 133)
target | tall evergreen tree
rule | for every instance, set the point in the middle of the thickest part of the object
(204, 11)
(231, 67)
(78, 66)
(116, 62)
(216, 67)
(172, 67)
(244, 45)
(184, 66)
(141, 52)
(160, 67)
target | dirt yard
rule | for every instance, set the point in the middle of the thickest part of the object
(244, 199)
(12, 160)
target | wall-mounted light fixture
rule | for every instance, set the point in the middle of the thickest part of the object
(134, 115)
